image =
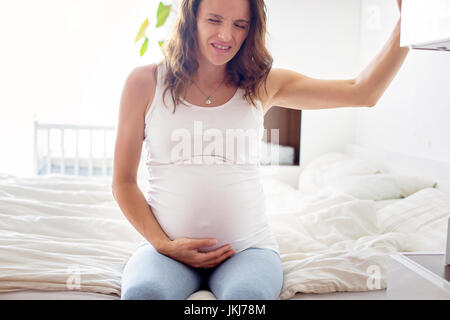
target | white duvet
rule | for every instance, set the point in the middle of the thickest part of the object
(68, 233)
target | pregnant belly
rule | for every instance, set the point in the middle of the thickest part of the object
(204, 201)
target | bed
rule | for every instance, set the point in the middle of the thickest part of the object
(336, 219)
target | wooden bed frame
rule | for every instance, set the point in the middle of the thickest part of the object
(288, 121)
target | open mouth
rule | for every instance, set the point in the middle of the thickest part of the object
(219, 48)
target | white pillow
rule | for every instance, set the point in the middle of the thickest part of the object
(423, 215)
(378, 186)
(330, 166)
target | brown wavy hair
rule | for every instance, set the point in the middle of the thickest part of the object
(248, 69)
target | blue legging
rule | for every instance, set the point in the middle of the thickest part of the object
(251, 274)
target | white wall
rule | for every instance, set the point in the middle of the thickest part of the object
(412, 117)
(319, 39)
(64, 61)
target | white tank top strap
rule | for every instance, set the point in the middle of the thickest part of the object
(159, 89)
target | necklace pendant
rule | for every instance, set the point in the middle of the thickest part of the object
(208, 101)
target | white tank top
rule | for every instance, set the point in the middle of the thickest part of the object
(204, 173)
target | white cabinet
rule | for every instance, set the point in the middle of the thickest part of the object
(426, 24)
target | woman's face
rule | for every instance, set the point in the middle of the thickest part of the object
(222, 23)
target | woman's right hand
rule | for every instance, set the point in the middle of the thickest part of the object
(186, 251)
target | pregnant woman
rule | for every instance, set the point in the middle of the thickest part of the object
(200, 113)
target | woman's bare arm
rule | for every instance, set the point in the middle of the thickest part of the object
(290, 89)
(139, 85)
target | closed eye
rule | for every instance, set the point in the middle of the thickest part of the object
(217, 21)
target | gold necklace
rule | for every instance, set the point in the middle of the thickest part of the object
(209, 97)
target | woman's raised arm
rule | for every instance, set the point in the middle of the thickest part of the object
(287, 88)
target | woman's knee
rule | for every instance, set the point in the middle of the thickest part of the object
(146, 291)
(149, 275)
(245, 292)
(253, 274)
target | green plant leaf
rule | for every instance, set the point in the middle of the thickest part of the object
(162, 14)
(161, 43)
(144, 47)
(141, 32)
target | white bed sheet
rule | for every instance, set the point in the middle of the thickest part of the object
(58, 232)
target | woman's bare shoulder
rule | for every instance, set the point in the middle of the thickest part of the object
(145, 76)
(143, 79)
